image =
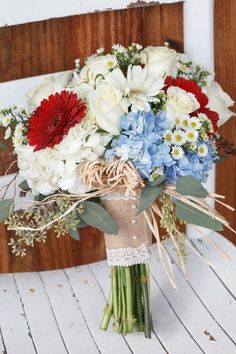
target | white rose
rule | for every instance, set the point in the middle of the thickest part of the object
(219, 101)
(180, 102)
(50, 84)
(96, 67)
(105, 104)
(160, 60)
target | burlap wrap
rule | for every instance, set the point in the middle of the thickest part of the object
(131, 244)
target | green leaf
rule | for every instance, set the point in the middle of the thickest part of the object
(189, 185)
(74, 234)
(80, 222)
(148, 196)
(5, 206)
(95, 215)
(3, 145)
(24, 185)
(194, 216)
(157, 181)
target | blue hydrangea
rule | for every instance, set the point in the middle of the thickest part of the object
(193, 165)
(141, 141)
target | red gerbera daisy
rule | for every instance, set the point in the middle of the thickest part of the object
(192, 86)
(53, 119)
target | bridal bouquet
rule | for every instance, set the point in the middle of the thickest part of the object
(122, 144)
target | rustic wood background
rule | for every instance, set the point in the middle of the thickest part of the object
(225, 65)
(52, 45)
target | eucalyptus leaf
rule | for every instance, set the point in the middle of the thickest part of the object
(5, 206)
(189, 185)
(148, 196)
(194, 216)
(157, 181)
(74, 234)
(96, 216)
(3, 145)
(81, 223)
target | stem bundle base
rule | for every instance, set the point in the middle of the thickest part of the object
(129, 300)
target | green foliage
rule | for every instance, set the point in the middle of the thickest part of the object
(3, 145)
(148, 196)
(157, 181)
(74, 234)
(95, 215)
(5, 206)
(194, 216)
(189, 185)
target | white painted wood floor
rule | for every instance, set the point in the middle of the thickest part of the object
(59, 312)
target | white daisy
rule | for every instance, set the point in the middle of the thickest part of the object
(7, 133)
(137, 45)
(139, 88)
(100, 50)
(177, 122)
(191, 135)
(112, 62)
(202, 150)
(18, 141)
(202, 117)
(168, 137)
(204, 136)
(118, 48)
(77, 63)
(194, 123)
(5, 121)
(177, 152)
(178, 137)
(185, 122)
(19, 129)
(193, 146)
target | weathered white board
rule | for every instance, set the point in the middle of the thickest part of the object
(59, 312)
(16, 12)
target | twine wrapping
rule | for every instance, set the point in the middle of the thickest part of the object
(131, 245)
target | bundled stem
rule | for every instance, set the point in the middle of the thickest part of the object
(129, 300)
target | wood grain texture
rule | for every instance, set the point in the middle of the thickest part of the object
(51, 46)
(225, 66)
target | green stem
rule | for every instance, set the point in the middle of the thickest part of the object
(124, 328)
(129, 305)
(108, 310)
(139, 299)
(147, 316)
(115, 299)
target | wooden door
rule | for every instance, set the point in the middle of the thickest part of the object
(50, 46)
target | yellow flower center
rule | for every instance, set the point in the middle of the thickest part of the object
(168, 138)
(178, 137)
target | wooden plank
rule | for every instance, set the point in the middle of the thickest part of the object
(220, 303)
(191, 311)
(70, 320)
(11, 11)
(13, 322)
(167, 326)
(225, 270)
(53, 45)
(92, 302)
(225, 63)
(43, 326)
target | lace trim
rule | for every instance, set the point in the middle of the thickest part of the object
(118, 196)
(128, 256)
